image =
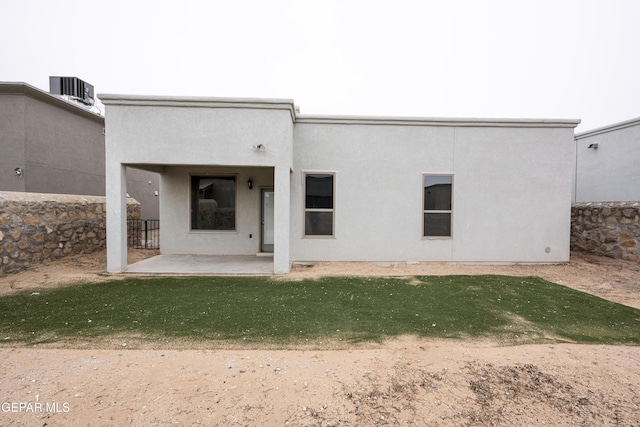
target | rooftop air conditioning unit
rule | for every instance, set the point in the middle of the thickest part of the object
(73, 87)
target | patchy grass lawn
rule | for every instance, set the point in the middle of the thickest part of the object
(257, 310)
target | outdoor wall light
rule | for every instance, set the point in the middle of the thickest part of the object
(18, 171)
(250, 184)
(259, 147)
(594, 146)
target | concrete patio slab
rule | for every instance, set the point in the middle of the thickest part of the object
(203, 264)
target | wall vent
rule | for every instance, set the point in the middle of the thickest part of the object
(73, 87)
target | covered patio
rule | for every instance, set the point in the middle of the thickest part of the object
(225, 176)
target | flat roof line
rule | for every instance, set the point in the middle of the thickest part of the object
(436, 121)
(21, 88)
(288, 104)
(199, 102)
(609, 128)
(108, 98)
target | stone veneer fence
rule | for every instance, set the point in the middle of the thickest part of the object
(610, 229)
(38, 228)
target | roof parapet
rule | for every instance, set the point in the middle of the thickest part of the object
(437, 121)
(199, 102)
(609, 128)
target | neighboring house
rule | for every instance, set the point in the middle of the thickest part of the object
(242, 176)
(51, 145)
(607, 163)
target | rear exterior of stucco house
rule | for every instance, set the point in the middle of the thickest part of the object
(244, 176)
(607, 161)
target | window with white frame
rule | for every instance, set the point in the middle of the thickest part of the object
(213, 203)
(437, 196)
(318, 204)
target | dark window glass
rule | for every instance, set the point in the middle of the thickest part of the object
(213, 203)
(437, 193)
(437, 205)
(437, 224)
(319, 191)
(318, 223)
(318, 204)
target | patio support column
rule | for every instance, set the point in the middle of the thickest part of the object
(116, 191)
(282, 212)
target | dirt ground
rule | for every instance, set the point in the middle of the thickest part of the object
(407, 381)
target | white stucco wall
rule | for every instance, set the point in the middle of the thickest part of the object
(609, 173)
(511, 191)
(513, 194)
(198, 131)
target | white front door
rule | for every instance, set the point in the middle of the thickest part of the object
(266, 238)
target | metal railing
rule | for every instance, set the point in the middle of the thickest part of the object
(143, 233)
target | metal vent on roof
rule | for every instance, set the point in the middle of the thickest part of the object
(73, 87)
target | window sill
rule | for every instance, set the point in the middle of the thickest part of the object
(437, 237)
(213, 231)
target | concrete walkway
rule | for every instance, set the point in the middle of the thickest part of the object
(203, 264)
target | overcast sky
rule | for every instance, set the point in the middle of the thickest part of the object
(455, 58)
